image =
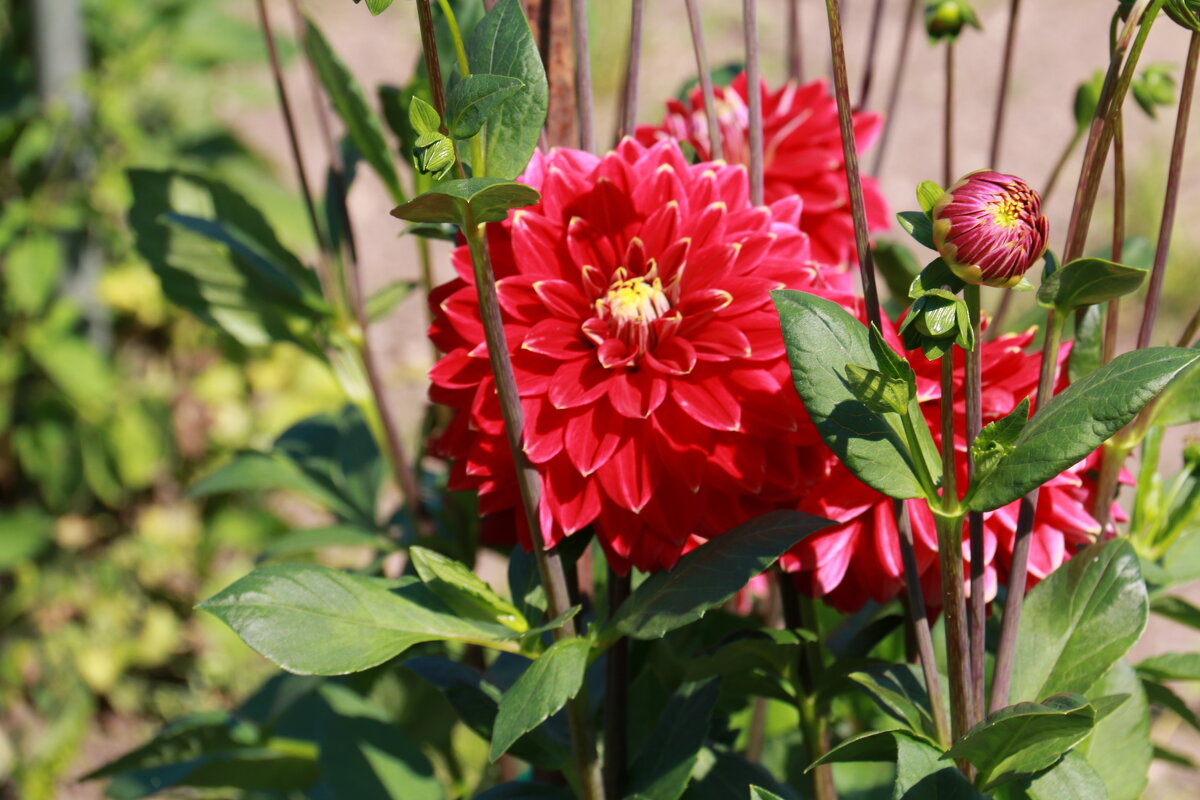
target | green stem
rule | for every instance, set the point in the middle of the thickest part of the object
(616, 694)
(478, 157)
(799, 613)
(916, 454)
(948, 118)
(973, 390)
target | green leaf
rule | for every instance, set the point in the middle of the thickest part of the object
(1087, 281)
(302, 541)
(1119, 748)
(1025, 738)
(422, 117)
(663, 768)
(1073, 778)
(928, 193)
(1164, 696)
(1173, 757)
(318, 621)
(1079, 621)
(709, 575)
(721, 775)
(545, 687)
(24, 533)
(995, 442)
(1180, 402)
(502, 45)
(526, 790)
(877, 391)
(917, 225)
(1086, 350)
(936, 277)
(897, 267)
(1177, 609)
(463, 590)
(31, 269)
(383, 302)
(822, 338)
(362, 126)
(470, 102)
(921, 774)
(1079, 420)
(377, 6)
(899, 691)
(1172, 667)
(469, 201)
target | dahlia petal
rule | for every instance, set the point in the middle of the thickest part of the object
(557, 338)
(674, 356)
(720, 341)
(636, 395)
(629, 476)
(577, 383)
(591, 437)
(709, 403)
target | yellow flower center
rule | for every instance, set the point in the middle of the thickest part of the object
(634, 300)
(1007, 211)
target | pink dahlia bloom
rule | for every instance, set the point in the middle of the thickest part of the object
(802, 148)
(860, 559)
(647, 353)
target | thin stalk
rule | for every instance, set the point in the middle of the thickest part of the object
(616, 694)
(893, 103)
(716, 148)
(1019, 571)
(1112, 99)
(478, 152)
(1010, 47)
(754, 90)
(1052, 182)
(432, 65)
(850, 154)
(550, 568)
(919, 624)
(629, 98)
(872, 50)
(1112, 316)
(973, 389)
(1171, 203)
(799, 613)
(1189, 333)
(795, 57)
(948, 118)
(950, 558)
(583, 76)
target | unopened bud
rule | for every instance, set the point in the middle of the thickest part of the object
(945, 19)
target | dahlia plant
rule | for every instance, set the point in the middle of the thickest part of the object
(743, 498)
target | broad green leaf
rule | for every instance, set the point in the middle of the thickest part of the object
(1164, 696)
(1025, 738)
(502, 45)
(1086, 348)
(383, 302)
(899, 691)
(1079, 621)
(877, 391)
(928, 193)
(1171, 667)
(1073, 778)
(84, 376)
(921, 772)
(1180, 402)
(663, 768)
(1079, 420)
(995, 442)
(822, 338)
(362, 126)
(1087, 281)
(870, 746)
(1177, 609)
(253, 471)
(31, 269)
(476, 697)
(545, 687)
(1119, 748)
(463, 590)
(314, 620)
(721, 775)
(366, 757)
(917, 225)
(469, 201)
(470, 102)
(709, 575)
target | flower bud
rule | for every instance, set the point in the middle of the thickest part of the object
(1185, 13)
(989, 228)
(944, 19)
(433, 154)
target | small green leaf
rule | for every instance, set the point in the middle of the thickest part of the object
(1089, 339)
(917, 225)
(709, 575)
(1079, 621)
(1073, 778)
(469, 201)
(383, 302)
(935, 277)
(1172, 667)
(1164, 696)
(31, 269)
(470, 102)
(463, 590)
(1175, 609)
(1026, 738)
(877, 391)
(996, 440)
(928, 193)
(423, 117)
(318, 621)
(1087, 281)
(346, 96)
(545, 687)
(1079, 420)
(759, 793)
(899, 691)
(1180, 402)
(377, 6)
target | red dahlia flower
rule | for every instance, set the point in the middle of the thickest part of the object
(802, 148)
(860, 559)
(647, 353)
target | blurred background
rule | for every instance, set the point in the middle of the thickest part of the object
(114, 402)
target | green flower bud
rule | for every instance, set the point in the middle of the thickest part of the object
(433, 154)
(945, 19)
(1185, 13)
(1087, 98)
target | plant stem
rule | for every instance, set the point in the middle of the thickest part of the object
(850, 154)
(616, 694)
(951, 560)
(478, 152)
(1171, 203)
(1010, 46)
(1112, 316)
(716, 150)
(628, 112)
(550, 567)
(973, 389)
(754, 92)
(1112, 98)
(868, 78)
(799, 613)
(1019, 571)
(1189, 333)
(795, 59)
(583, 76)
(433, 67)
(893, 104)
(948, 118)
(1059, 166)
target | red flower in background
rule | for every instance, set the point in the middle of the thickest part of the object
(860, 559)
(802, 149)
(647, 354)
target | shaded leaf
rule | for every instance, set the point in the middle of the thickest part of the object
(545, 687)
(470, 102)
(463, 590)
(663, 768)
(1087, 281)
(1119, 748)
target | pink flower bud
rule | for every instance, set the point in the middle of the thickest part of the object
(989, 228)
